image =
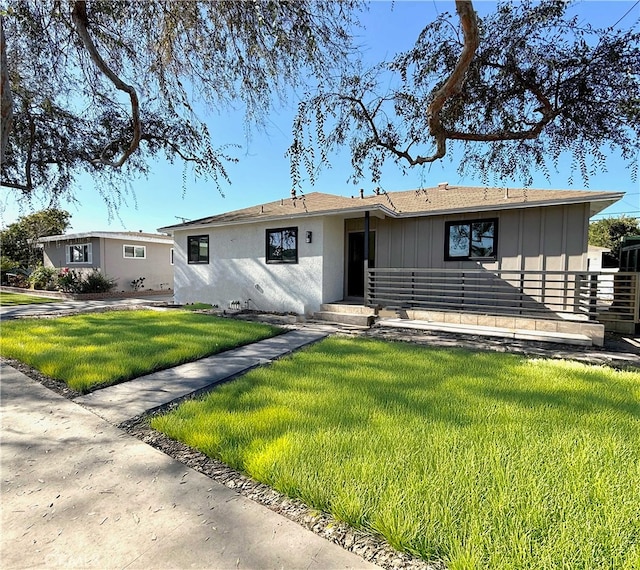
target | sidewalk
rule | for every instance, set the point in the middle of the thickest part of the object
(135, 397)
(66, 307)
(78, 492)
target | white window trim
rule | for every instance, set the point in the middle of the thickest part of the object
(89, 254)
(134, 256)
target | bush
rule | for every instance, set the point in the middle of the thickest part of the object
(96, 282)
(43, 278)
(69, 280)
(72, 281)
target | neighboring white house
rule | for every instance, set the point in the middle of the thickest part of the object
(294, 254)
(594, 257)
(124, 256)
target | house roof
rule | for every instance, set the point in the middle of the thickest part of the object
(125, 236)
(443, 199)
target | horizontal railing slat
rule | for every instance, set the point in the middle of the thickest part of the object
(579, 292)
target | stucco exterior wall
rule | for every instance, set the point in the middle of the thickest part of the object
(333, 260)
(237, 268)
(55, 254)
(156, 268)
(108, 256)
(549, 238)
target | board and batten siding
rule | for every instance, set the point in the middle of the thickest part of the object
(541, 238)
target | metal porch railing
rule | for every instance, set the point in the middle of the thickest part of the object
(543, 294)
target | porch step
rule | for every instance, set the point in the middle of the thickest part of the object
(516, 334)
(358, 319)
(347, 309)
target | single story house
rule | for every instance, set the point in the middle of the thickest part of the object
(298, 253)
(124, 256)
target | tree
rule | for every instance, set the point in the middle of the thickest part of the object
(608, 232)
(514, 92)
(19, 242)
(105, 87)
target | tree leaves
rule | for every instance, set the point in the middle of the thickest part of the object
(540, 85)
(70, 61)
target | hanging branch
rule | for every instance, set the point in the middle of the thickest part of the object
(79, 16)
(5, 94)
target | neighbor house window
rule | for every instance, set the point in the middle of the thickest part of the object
(476, 239)
(135, 251)
(282, 245)
(198, 249)
(79, 253)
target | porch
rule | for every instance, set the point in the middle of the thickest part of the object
(558, 306)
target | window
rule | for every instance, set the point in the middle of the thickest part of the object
(135, 251)
(198, 249)
(282, 245)
(79, 253)
(475, 239)
(171, 256)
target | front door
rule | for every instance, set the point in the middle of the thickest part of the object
(355, 262)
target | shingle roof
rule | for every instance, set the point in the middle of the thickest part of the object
(409, 203)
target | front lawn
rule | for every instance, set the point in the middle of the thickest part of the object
(104, 348)
(482, 460)
(10, 299)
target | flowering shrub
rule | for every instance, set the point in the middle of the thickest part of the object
(72, 281)
(43, 278)
(69, 280)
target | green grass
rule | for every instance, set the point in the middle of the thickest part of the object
(10, 299)
(197, 307)
(99, 349)
(482, 460)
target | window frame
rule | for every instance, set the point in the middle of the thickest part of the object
(87, 253)
(469, 256)
(134, 256)
(200, 260)
(269, 259)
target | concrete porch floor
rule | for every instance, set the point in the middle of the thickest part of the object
(560, 330)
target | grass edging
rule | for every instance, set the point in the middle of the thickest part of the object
(499, 438)
(92, 350)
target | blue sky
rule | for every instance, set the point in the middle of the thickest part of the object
(263, 172)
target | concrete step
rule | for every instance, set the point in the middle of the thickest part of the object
(516, 334)
(361, 320)
(347, 309)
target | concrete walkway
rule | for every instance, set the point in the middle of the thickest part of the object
(130, 399)
(64, 307)
(77, 492)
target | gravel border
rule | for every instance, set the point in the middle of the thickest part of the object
(367, 545)
(362, 543)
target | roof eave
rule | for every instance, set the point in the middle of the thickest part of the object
(375, 208)
(598, 204)
(106, 235)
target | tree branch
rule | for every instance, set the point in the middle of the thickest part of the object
(453, 85)
(6, 109)
(79, 16)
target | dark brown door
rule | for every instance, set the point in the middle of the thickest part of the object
(355, 263)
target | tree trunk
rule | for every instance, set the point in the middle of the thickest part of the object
(6, 111)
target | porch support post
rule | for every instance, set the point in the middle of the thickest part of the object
(366, 256)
